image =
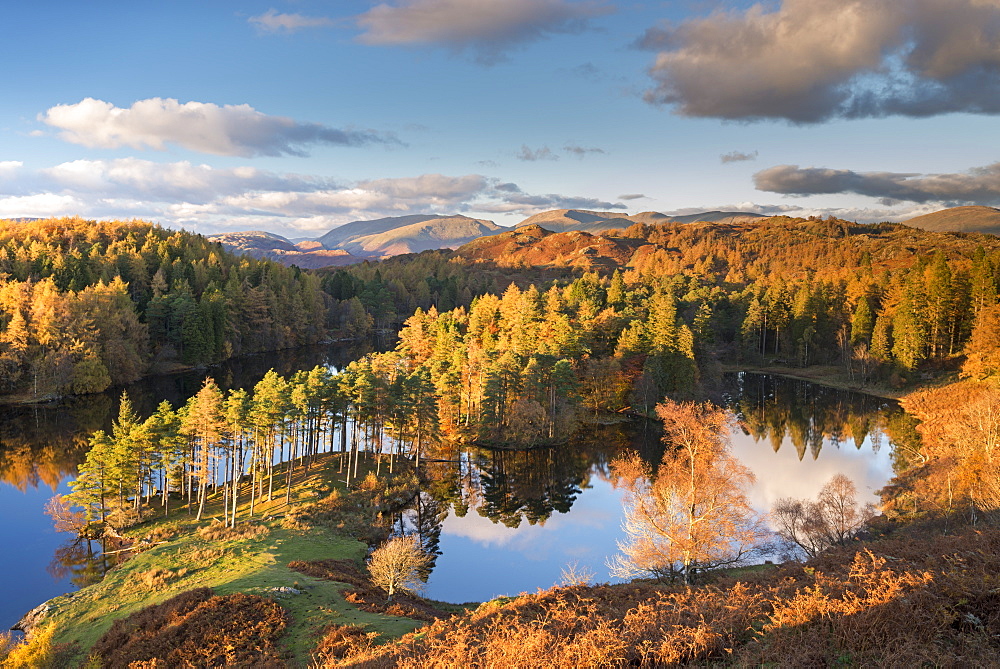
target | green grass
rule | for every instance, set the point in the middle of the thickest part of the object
(253, 565)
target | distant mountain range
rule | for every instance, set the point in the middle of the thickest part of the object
(384, 237)
(269, 246)
(406, 234)
(362, 240)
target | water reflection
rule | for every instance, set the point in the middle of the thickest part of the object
(517, 519)
(498, 522)
(786, 424)
(81, 561)
(772, 408)
(41, 446)
(514, 519)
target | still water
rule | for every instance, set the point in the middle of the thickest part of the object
(502, 522)
(793, 435)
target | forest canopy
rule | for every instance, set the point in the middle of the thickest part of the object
(87, 304)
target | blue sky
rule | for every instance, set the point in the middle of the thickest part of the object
(295, 117)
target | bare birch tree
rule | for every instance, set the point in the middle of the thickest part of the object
(692, 513)
(396, 565)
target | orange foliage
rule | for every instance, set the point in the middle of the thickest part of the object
(959, 464)
(925, 601)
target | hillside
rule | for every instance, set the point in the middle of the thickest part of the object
(909, 600)
(432, 233)
(776, 244)
(984, 220)
(535, 246)
(361, 240)
(713, 217)
(386, 236)
(100, 303)
(562, 220)
(398, 235)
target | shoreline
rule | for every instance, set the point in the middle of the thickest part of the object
(824, 376)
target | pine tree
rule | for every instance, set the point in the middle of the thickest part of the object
(204, 424)
(862, 323)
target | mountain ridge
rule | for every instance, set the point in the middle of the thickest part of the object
(396, 235)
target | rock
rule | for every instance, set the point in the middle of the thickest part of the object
(32, 618)
(285, 591)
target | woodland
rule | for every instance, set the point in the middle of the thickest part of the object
(515, 341)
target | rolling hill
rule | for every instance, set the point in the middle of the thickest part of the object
(985, 220)
(361, 240)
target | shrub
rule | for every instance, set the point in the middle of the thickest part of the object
(926, 600)
(199, 629)
(35, 652)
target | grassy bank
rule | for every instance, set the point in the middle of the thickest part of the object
(252, 558)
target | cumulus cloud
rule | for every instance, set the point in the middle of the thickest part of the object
(38, 205)
(207, 199)
(528, 154)
(271, 21)
(813, 60)
(486, 27)
(9, 168)
(142, 179)
(979, 185)
(228, 130)
(737, 157)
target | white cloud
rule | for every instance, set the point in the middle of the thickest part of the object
(39, 205)
(272, 21)
(859, 214)
(581, 151)
(171, 181)
(812, 60)
(228, 130)
(737, 157)
(487, 27)
(9, 168)
(208, 199)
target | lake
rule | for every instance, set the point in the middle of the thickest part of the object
(502, 522)
(793, 435)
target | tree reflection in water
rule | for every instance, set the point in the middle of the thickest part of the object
(42, 445)
(513, 489)
(771, 408)
(80, 562)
